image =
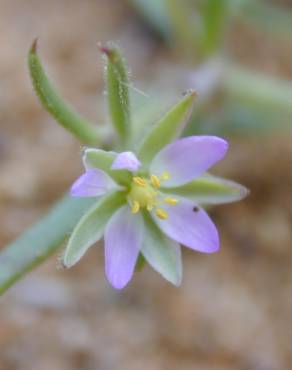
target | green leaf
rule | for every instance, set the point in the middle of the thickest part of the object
(163, 254)
(90, 228)
(269, 17)
(40, 241)
(209, 189)
(55, 105)
(98, 158)
(167, 128)
(117, 92)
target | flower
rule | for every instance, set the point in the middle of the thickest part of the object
(150, 209)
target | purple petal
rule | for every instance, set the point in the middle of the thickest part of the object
(191, 226)
(123, 240)
(188, 158)
(126, 161)
(92, 183)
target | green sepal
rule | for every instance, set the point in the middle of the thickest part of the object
(118, 91)
(140, 264)
(210, 189)
(163, 254)
(54, 103)
(91, 227)
(41, 240)
(167, 128)
(98, 158)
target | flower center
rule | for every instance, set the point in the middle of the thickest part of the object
(144, 193)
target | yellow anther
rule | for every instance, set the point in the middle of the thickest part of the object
(171, 201)
(135, 207)
(165, 176)
(139, 181)
(155, 181)
(161, 213)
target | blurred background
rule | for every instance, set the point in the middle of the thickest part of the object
(233, 310)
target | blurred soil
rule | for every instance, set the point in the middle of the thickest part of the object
(233, 310)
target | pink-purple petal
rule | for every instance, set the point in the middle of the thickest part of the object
(126, 161)
(190, 225)
(123, 240)
(92, 183)
(188, 158)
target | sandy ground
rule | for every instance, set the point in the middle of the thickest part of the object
(233, 310)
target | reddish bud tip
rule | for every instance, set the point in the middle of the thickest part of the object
(105, 50)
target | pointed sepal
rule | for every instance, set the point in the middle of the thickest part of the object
(91, 227)
(210, 189)
(167, 128)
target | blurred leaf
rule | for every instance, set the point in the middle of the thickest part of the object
(40, 241)
(55, 105)
(118, 92)
(185, 27)
(255, 89)
(271, 18)
(167, 128)
(155, 12)
(215, 19)
(209, 189)
(90, 228)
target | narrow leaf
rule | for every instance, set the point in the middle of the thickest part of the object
(185, 26)
(54, 103)
(167, 128)
(117, 91)
(91, 227)
(40, 241)
(98, 158)
(209, 189)
(215, 15)
(163, 254)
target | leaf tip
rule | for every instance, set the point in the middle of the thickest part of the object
(34, 45)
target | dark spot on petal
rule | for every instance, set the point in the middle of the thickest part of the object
(196, 209)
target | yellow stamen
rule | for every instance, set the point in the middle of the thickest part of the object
(155, 181)
(161, 213)
(139, 181)
(165, 176)
(171, 201)
(135, 207)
